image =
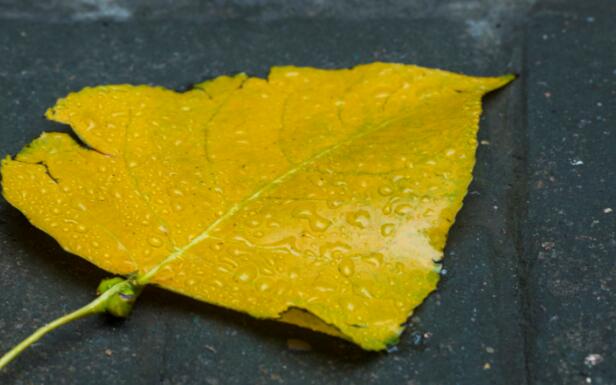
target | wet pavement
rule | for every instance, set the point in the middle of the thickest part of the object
(529, 294)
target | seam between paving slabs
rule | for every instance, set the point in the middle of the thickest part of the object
(519, 216)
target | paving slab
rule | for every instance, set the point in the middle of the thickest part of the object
(528, 297)
(570, 236)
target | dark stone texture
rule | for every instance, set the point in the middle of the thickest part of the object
(570, 236)
(529, 289)
(258, 10)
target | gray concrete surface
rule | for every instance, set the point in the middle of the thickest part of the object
(529, 294)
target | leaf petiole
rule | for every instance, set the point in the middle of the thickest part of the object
(99, 305)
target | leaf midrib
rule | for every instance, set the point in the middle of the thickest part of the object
(205, 234)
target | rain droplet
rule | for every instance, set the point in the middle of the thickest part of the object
(403, 209)
(387, 208)
(360, 218)
(237, 252)
(264, 286)
(346, 267)
(155, 242)
(81, 229)
(388, 229)
(334, 204)
(332, 250)
(319, 223)
(216, 246)
(375, 259)
(363, 291)
(385, 190)
(244, 275)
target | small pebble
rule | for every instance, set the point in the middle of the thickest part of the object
(576, 162)
(547, 246)
(593, 359)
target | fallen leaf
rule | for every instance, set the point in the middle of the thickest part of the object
(317, 197)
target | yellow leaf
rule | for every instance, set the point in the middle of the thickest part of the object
(317, 197)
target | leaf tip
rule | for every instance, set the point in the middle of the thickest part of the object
(495, 83)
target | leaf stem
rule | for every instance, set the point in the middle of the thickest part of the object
(94, 307)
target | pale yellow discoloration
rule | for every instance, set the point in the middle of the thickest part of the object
(329, 191)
